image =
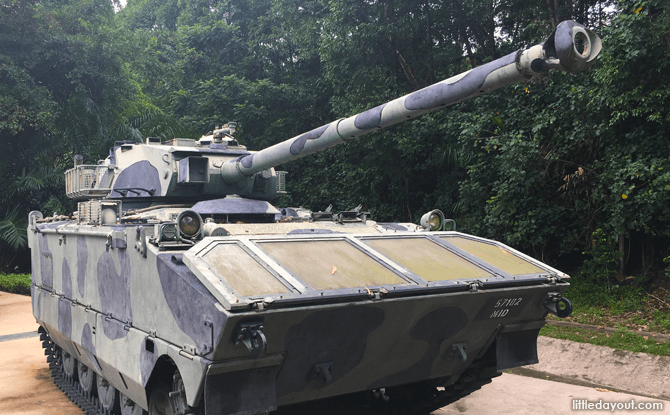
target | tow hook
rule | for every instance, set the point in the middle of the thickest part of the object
(558, 305)
(323, 371)
(250, 335)
(459, 348)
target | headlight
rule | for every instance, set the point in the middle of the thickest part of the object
(189, 224)
(168, 232)
(433, 220)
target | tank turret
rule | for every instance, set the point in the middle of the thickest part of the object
(179, 171)
(177, 288)
(216, 165)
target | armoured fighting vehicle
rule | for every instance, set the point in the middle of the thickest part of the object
(178, 288)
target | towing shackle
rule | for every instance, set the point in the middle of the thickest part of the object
(558, 305)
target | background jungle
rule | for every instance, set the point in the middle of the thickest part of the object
(574, 170)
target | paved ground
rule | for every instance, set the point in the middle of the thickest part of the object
(26, 387)
(25, 381)
(514, 394)
(636, 373)
(15, 314)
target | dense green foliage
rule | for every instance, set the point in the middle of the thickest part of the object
(68, 85)
(540, 165)
(15, 283)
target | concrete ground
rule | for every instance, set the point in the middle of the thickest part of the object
(582, 363)
(515, 394)
(25, 381)
(26, 387)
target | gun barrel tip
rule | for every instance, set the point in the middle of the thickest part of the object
(586, 43)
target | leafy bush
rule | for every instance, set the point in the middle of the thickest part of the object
(600, 268)
(662, 319)
(584, 295)
(15, 283)
(595, 285)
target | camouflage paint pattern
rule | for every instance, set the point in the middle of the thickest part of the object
(166, 299)
(331, 326)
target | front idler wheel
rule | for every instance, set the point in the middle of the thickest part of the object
(159, 400)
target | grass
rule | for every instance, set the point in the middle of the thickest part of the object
(623, 339)
(594, 298)
(15, 283)
(626, 306)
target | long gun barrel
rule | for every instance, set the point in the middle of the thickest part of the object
(571, 48)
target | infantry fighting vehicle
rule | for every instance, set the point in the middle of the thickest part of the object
(178, 288)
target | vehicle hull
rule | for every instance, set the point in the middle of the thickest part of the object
(124, 315)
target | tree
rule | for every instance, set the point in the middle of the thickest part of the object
(539, 165)
(66, 88)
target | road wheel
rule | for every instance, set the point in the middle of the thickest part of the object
(159, 400)
(69, 365)
(86, 378)
(129, 407)
(108, 395)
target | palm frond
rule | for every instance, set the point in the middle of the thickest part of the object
(13, 230)
(35, 179)
(151, 122)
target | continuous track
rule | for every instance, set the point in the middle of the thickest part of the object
(417, 399)
(71, 388)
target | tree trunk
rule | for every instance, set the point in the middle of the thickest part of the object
(552, 14)
(622, 263)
